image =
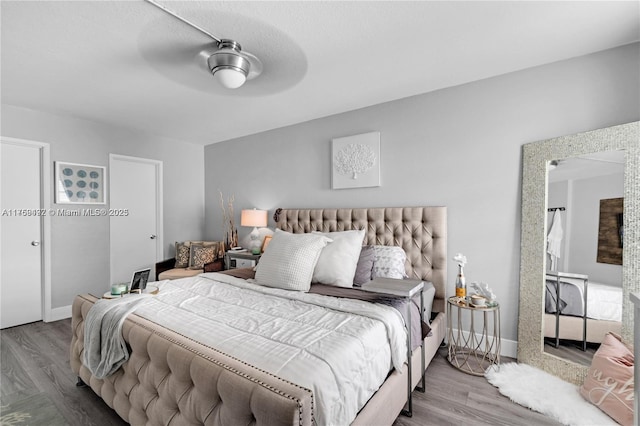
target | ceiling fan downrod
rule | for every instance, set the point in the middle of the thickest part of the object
(191, 24)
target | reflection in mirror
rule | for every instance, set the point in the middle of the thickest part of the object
(534, 262)
(583, 283)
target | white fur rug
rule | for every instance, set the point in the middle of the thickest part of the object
(546, 394)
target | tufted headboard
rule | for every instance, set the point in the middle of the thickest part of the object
(420, 231)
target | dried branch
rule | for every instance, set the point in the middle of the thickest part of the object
(231, 234)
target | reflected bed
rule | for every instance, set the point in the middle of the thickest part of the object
(584, 311)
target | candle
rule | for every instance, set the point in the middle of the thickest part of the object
(118, 289)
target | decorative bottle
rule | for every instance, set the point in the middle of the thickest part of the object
(461, 286)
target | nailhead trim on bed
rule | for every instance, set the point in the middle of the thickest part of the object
(137, 405)
(228, 367)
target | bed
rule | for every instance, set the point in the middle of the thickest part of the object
(173, 378)
(580, 310)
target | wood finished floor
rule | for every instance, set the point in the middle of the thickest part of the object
(571, 351)
(35, 359)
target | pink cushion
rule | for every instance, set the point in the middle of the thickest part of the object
(609, 382)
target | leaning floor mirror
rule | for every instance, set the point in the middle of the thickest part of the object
(589, 183)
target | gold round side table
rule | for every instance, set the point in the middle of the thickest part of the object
(477, 349)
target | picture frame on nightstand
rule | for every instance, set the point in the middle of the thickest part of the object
(265, 243)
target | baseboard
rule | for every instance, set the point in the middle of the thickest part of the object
(60, 313)
(508, 348)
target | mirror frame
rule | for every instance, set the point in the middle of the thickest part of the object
(535, 157)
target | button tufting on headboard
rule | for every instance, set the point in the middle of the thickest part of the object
(420, 231)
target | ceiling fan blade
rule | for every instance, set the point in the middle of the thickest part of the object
(203, 57)
(282, 63)
(256, 65)
(255, 68)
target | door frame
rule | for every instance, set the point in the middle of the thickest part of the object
(45, 222)
(159, 203)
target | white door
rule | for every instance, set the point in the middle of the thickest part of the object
(135, 207)
(21, 229)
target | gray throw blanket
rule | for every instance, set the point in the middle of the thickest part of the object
(571, 298)
(104, 347)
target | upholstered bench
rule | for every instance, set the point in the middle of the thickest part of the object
(192, 258)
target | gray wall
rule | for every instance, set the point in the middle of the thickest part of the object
(581, 222)
(80, 245)
(458, 147)
(585, 221)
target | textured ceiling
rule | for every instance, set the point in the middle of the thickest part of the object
(129, 64)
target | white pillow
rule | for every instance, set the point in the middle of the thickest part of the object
(389, 262)
(338, 260)
(289, 261)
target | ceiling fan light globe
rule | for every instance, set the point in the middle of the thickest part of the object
(229, 67)
(230, 78)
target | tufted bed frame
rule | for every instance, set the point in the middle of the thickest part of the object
(172, 380)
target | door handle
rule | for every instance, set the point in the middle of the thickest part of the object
(153, 237)
(35, 243)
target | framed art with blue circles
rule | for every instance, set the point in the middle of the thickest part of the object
(80, 183)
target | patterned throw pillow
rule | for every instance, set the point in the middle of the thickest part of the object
(218, 246)
(389, 262)
(290, 260)
(182, 255)
(201, 255)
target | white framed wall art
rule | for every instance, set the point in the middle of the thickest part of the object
(79, 183)
(355, 161)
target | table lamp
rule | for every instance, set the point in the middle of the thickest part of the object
(255, 218)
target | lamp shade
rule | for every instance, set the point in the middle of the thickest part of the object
(256, 218)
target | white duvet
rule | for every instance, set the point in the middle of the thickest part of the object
(341, 349)
(604, 302)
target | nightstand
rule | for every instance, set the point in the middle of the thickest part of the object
(478, 348)
(241, 259)
(405, 289)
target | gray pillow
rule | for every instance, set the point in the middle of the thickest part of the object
(364, 269)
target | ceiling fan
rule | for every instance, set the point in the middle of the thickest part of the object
(228, 63)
